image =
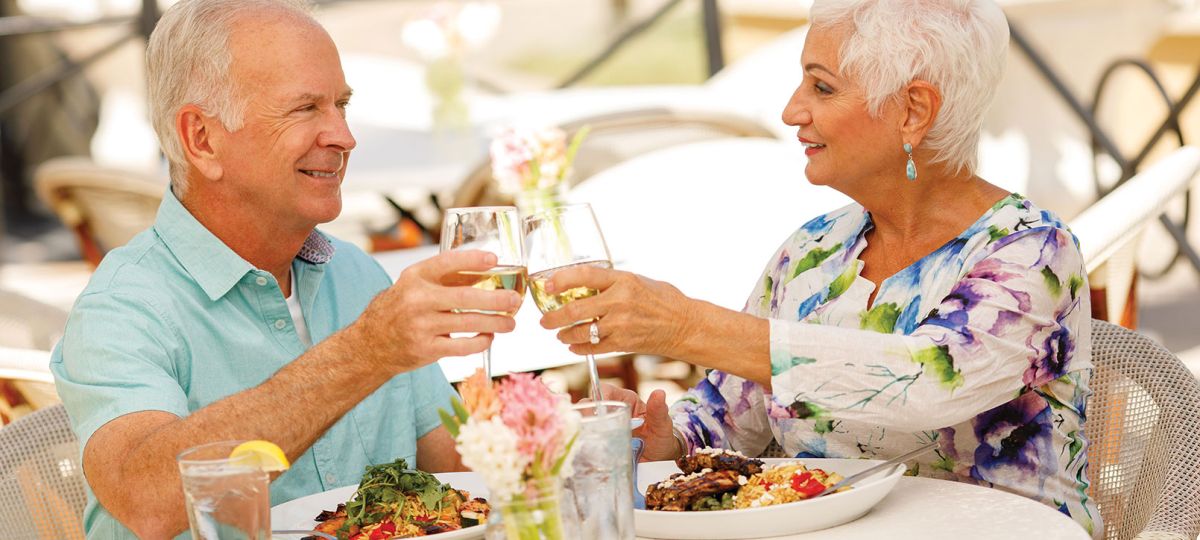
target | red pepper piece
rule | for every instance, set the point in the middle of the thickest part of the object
(807, 485)
(384, 532)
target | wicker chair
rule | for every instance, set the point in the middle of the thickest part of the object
(28, 330)
(105, 207)
(42, 492)
(1143, 420)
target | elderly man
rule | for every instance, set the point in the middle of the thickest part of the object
(233, 318)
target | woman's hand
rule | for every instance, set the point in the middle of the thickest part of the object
(660, 442)
(633, 313)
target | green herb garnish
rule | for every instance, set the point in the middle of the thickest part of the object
(382, 490)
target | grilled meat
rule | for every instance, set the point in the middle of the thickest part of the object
(719, 461)
(679, 491)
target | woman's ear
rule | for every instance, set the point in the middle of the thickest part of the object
(197, 132)
(922, 102)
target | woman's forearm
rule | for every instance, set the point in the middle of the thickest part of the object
(730, 341)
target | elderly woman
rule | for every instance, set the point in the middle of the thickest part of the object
(937, 308)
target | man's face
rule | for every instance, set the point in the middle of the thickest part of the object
(287, 161)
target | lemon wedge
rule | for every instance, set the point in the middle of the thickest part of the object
(263, 455)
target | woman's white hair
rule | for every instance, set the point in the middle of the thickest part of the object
(958, 46)
(188, 61)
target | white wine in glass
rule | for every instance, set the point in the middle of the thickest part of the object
(509, 278)
(561, 238)
(495, 229)
(547, 302)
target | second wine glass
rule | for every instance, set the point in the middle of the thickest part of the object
(561, 238)
(495, 229)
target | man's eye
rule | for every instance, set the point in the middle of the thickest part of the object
(307, 108)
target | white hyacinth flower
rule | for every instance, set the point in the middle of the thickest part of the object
(490, 449)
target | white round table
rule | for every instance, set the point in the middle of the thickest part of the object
(924, 508)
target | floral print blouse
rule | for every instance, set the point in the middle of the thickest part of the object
(983, 345)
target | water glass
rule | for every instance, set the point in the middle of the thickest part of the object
(602, 480)
(226, 498)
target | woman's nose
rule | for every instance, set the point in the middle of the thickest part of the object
(796, 111)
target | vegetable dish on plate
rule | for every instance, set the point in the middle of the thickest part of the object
(394, 501)
(718, 479)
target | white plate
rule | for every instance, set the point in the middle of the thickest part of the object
(790, 518)
(299, 513)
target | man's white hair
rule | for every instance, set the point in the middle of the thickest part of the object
(188, 61)
(958, 46)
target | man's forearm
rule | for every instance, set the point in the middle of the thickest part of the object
(293, 409)
(295, 406)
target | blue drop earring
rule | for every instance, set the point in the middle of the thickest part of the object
(910, 169)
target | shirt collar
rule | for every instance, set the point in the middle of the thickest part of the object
(210, 262)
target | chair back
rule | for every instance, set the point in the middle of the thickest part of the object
(28, 330)
(42, 493)
(616, 137)
(1109, 230)
(1142, 423)
(105, 207)
(26, 323)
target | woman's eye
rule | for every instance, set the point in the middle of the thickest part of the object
(823, 88)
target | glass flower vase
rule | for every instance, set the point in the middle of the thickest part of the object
(542, 512)
(446, 80)
(535, 200)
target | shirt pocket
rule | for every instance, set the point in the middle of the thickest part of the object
(384, 421)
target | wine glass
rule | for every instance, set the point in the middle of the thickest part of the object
(496, 229)
(559, 238)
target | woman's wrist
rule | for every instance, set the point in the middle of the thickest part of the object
(680, 442)
(726, 340)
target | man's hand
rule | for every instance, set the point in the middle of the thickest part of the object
(409, 324)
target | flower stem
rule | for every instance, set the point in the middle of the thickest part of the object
(552, 527)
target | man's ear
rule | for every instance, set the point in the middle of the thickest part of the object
(199, 134)
(922, 102)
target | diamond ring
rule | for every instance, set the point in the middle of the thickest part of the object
(593, 333)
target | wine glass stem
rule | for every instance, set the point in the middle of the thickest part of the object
(594, 375)
(487, 362)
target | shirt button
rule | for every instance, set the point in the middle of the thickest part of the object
(280, 324)
(261, 281)
(330, 478)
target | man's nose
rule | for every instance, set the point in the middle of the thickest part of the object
(337, 134)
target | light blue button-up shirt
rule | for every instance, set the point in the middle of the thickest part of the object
(175, 320)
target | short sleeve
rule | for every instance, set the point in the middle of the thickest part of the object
(114, 360)
(431, 391)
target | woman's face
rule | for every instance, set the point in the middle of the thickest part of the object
(847, 149)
